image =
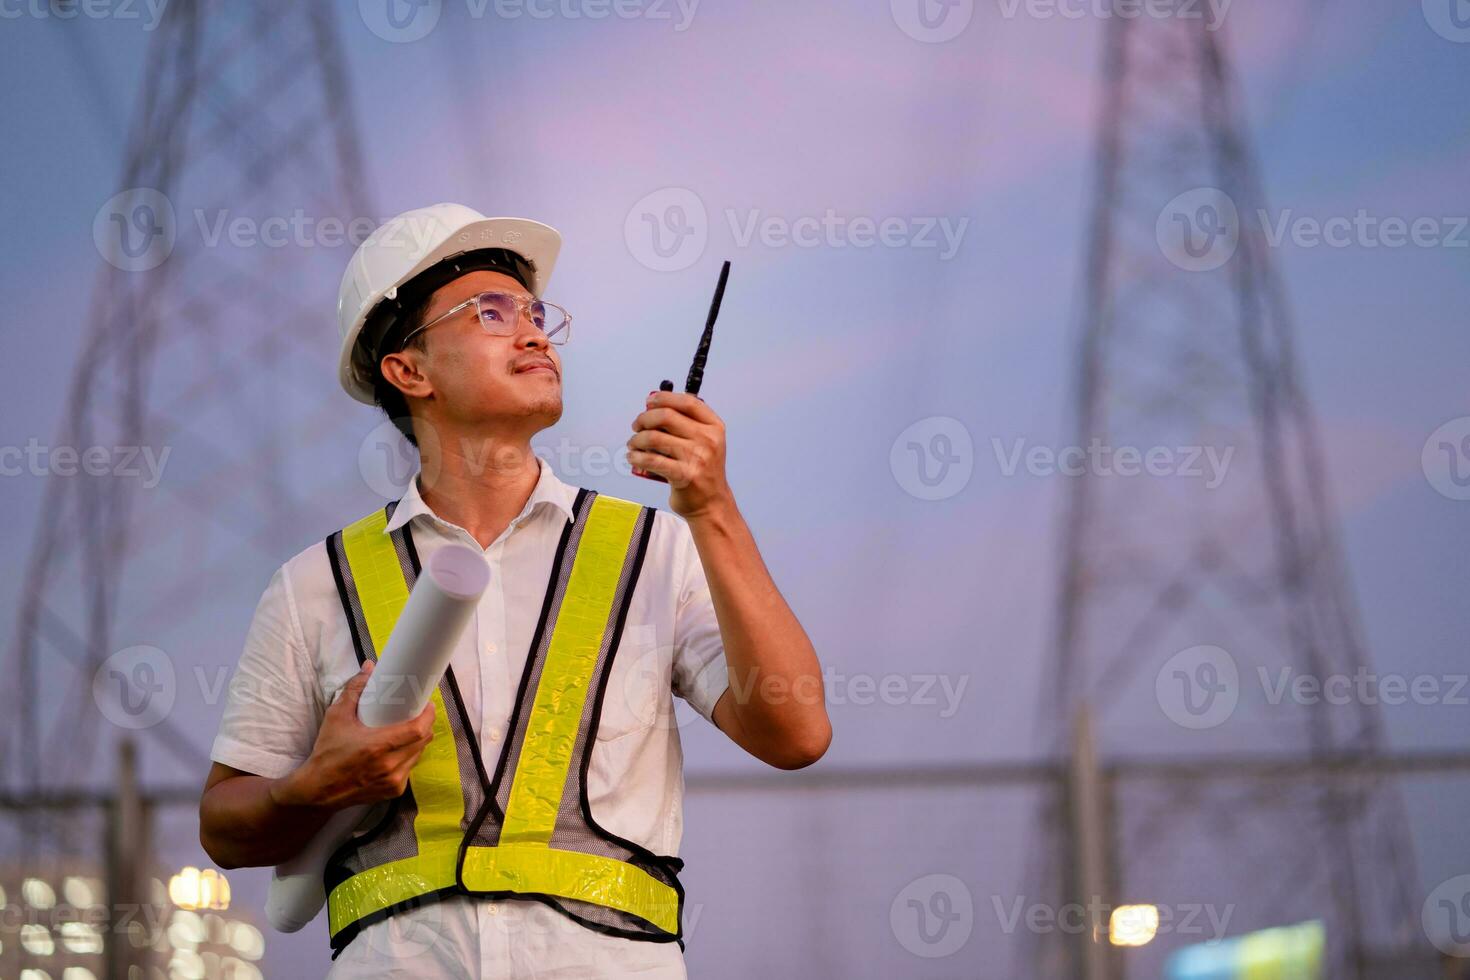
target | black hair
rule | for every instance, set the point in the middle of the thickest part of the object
(393, 319)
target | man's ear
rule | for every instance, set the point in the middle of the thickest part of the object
(403, 371)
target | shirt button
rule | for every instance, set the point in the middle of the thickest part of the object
(490, 648)
(494, 736)
(493, 909)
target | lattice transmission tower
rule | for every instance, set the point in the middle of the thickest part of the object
(207, 343)
(1189, 593)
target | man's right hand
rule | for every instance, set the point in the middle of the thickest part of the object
(352, 763)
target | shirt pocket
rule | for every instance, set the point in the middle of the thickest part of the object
(638, 681)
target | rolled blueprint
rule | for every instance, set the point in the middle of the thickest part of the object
(408, 670)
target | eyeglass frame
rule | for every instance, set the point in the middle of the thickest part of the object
(523, 308)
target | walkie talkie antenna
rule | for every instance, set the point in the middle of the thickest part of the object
(701, 354)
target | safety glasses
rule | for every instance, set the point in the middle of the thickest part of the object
(499, 313)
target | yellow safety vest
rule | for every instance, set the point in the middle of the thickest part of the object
(525, 829)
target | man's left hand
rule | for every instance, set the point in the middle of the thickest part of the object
(681, 439)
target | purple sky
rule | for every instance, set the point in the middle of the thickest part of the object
(825, 354)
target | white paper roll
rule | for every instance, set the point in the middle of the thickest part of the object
(407, 672)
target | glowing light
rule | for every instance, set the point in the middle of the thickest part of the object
(81, 892)
(38, 894)
(186, 964)
(195, 889)
(247, 940)
(81, 937)
(1133, 925)
(36, 939)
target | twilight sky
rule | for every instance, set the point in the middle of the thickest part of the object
(786, 137)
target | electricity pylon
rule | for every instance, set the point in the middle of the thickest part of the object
(1190, 591)
(202, 385)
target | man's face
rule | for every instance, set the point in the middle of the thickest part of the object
(475, 377)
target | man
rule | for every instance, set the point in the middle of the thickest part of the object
(527, 823)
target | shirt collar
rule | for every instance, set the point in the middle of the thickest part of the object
(549, 490)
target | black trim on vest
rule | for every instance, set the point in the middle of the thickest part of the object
(333, 545)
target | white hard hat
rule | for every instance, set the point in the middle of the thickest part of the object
(411, 244)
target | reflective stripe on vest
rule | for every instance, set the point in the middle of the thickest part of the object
(462, 839)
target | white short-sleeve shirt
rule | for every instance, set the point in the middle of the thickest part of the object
(298, 654)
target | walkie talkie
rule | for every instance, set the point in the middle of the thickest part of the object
(701, 355)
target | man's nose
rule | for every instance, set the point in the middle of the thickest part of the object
(535, 337)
